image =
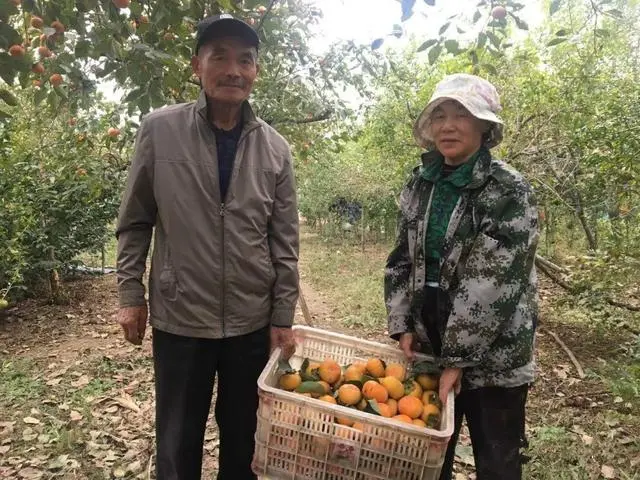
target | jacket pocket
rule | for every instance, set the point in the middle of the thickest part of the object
(168, 281)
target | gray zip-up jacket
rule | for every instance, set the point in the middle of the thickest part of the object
(219, 269)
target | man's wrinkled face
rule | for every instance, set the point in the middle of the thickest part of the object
(227, 68)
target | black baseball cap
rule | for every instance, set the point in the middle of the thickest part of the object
(224, 25)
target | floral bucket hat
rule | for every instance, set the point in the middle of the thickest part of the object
(476, 94)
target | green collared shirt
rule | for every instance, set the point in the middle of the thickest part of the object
(448, 185)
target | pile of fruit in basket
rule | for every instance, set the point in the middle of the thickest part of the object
(373, 387)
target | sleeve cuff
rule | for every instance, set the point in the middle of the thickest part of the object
(282, 317)
(399, 325)
(456, 363)
(131, 298)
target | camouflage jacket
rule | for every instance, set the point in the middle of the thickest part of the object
(487, 275)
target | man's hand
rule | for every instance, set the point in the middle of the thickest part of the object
(134, 323)
(450, 378)
(409, 345)
(283, 338)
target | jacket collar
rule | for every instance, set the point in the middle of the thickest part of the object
(248, 115)
(432, 163)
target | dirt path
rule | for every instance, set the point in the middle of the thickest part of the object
(76, 401)
(98, 389)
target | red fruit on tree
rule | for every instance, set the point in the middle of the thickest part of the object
(121, 3)
(57, 26)
(16, 50)
(16, 2)
(261, 9)
(113, 132)
(499, 12)
(44, 52)
(37, 68)
(55, 79)
(37, 22)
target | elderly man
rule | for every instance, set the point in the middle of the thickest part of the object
(217, 184)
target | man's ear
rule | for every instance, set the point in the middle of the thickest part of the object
(195, 65)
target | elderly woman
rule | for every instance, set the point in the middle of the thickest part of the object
(460, 282)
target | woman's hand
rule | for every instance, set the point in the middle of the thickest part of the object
(409, 345)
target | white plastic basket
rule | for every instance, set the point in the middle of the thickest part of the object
(297, 436)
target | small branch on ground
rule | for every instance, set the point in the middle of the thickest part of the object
(547, 263)
(547, 271)
(569, 353)
(628, 306)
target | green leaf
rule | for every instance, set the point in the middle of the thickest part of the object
(366, 378)
(615, 13)
(372, 407)
(477, 16)
(431, 3)
(8, 98)
(39, 96)
(495, 40)
(425, 367)
(357, 383)
(522, 25)
(490, 68)
(377, 43)
(444, 28)
(284, 366)
(60, 92)
(452, 46)
(427, 44)
(482, 39)
(311, 387)
(562, 33)
(407, 8)
(4, 115)
(434, 53)
(305, 365)
(554, 7)
(556, 41)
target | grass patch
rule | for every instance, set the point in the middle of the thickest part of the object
(352, 280)
(19, 381)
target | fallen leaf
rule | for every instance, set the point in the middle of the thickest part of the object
(82, 381)
(28, 434)
(127, 402)
(30, 473)
(54, 381)
(134, 467)
(612, 422)
(4, 449)
(587, 439)
(31, 420)
(608, 472)
(75, 416)
(618, 400)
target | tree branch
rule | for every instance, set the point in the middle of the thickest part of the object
(569, 353)
(326, 115)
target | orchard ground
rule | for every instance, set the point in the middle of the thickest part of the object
(76, 401)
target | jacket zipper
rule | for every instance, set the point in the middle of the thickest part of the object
(224, 293)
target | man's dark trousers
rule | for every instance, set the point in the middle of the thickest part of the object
(185, 369)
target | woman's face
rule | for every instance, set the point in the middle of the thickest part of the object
(456, 133)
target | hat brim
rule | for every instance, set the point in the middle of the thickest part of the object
(228, 27)
(421, 130)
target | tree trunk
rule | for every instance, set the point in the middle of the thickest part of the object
(591, 239)
(55, 288)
